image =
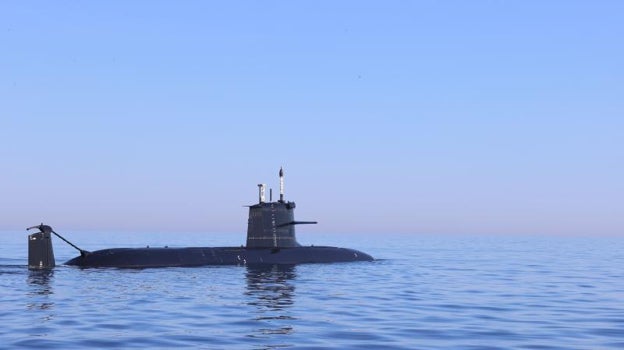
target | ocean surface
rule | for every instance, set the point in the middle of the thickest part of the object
(424, 292)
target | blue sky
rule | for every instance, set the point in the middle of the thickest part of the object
(492, 117)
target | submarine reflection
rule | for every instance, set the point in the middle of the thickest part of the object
(41, 288)
(271, 291)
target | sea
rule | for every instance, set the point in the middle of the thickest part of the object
(421, 292)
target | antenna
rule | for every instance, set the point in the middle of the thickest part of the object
(281, 176)
(261, 192)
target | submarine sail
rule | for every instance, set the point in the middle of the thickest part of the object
(272, 225)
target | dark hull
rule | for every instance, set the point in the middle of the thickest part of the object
(200, 256)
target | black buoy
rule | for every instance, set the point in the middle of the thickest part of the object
(40, 253)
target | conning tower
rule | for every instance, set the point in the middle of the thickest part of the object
(272, 224)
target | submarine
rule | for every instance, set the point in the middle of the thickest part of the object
(271, 240)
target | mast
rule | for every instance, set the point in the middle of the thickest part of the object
(281, 176)
(261, 193)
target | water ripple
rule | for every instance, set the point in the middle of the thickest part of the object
(468, 293)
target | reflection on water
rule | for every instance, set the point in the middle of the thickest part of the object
(40, 279)
(460, 293)
(40, 289)
(271, 291)
(271, 287)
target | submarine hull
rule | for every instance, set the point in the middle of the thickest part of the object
(202, 256)
(271, 240)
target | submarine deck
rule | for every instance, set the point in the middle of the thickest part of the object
(200, 256)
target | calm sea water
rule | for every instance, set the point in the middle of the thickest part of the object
(445, 292)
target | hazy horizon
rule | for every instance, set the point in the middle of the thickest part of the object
(409, 117)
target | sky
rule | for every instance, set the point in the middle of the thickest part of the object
(416, 117)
